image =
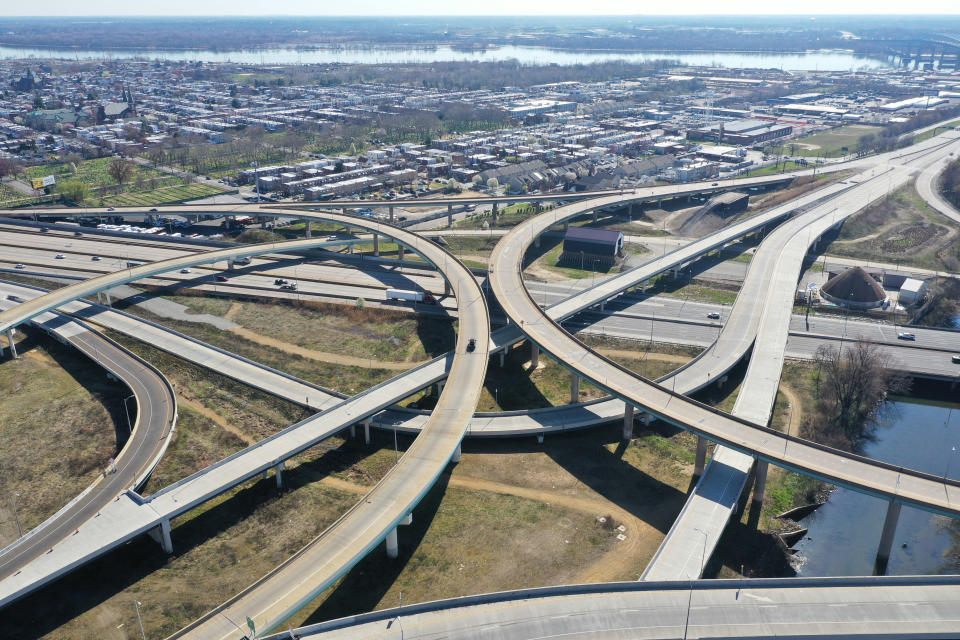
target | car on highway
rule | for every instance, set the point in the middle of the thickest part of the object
(111, 209)
(279, 281)
(78, 233)
(59, 256)
(184, 270)
(20, 266)
(290, 286)
(471, 345)
(154, 209)
(713, 315)
(95, 258)
(714, 184)
(222, 278)
(903, 335)
(955, 358)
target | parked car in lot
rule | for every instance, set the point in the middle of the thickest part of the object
(903, 335)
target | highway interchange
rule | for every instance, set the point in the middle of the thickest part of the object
(536, 324)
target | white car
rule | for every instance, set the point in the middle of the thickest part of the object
(20, 266)
(95, 258)
(59, 256)
(184, 270)
(903, 335)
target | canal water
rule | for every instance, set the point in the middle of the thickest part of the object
(822, 60)
(844, 533)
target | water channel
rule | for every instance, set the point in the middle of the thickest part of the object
(844, 533)
(822, 60)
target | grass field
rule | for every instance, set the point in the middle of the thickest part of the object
(59, 420)
(831, 143)
(163, 195)
(900, 228)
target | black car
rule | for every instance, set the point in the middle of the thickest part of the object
(279, 281)
(471, 345)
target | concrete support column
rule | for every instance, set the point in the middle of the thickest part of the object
(534, 356)
(400, 252)
(676, 273)
(99, 298)
(350, 249)
(536, 242)
(449, 215)
(594, 217)
(366, 431)
(391, 214)
(13, 345)
(162, 535)
(760, 483)
(627, 421)
(408, 520)
(353, 431)
(376, 245)
(308, 229)
(278, 472)
(701, 456)
(494, 213)
(393, 549)
(446, 288)
(566, 225)
(886, 538)
(106, 296)
(574, 388)
(644, 285)
(503, 357)
(457, 454)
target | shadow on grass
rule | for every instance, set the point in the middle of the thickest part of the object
(364, 586)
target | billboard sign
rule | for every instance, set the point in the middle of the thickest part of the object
(46, 181)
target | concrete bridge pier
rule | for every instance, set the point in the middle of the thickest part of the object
(534, 356)
(393, 547)
(594, 217)
(644, 285)
(493, 212)
(536, 242)
(308, 229)
(449, 215)
(376, 245)
(676, 272)
(627, 421)
(161, 533)
(760, 483)
(574, 388)
(353, 431)
(366, 431)
(400, 252)
(503, 357)
(701, 457)
(886, 539)
(457, 454)
(391, 214)
(278, 473)
(13, 345)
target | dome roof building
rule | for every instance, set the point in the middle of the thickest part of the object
(855, 289)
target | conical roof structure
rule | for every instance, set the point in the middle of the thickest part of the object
(854, 287)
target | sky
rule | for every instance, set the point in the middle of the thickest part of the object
(487, 7)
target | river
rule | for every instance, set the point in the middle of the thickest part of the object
(844, 532)
(814, 60)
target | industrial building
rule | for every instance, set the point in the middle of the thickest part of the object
(585, 248)
(854, 289)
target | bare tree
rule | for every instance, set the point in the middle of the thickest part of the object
(120, 170)
(852, 383)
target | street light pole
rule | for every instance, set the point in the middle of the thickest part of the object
(127, 409)
(15, 516)
(143, 634)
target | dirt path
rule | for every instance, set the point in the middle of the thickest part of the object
(796, 415)
(313, 354)
(640, 355)
(215, 418)
(641, 539)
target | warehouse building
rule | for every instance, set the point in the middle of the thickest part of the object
(586, 248)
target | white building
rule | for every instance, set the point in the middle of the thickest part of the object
(912, 291)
